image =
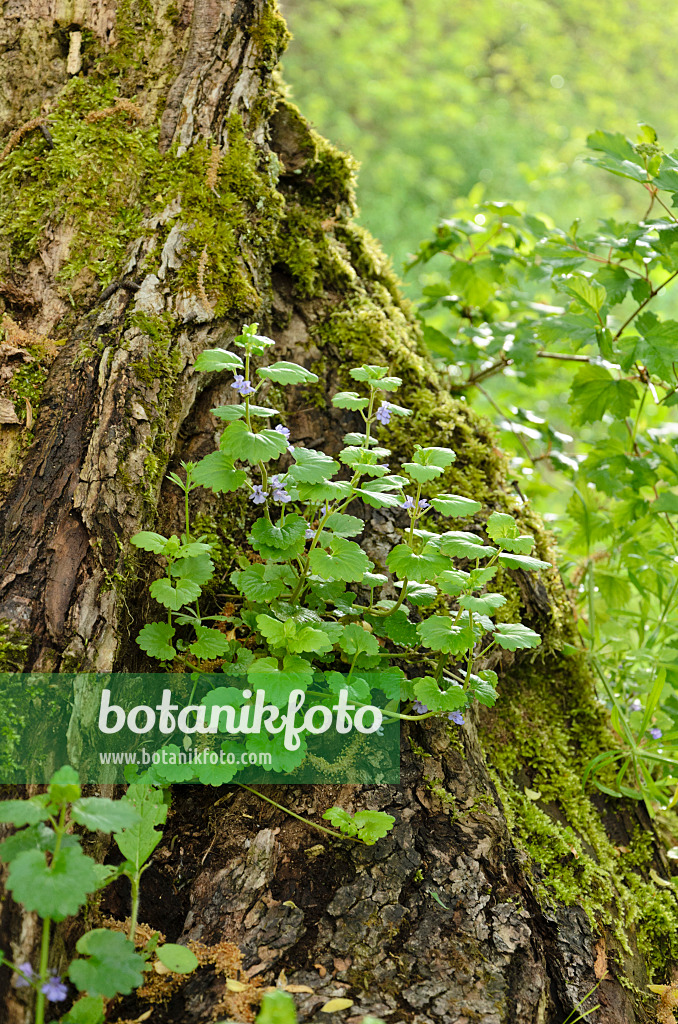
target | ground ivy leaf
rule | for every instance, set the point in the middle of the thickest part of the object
(389, 679)
(345, 526)
(278, 681)
(483, 686)
(149, 541)
(350, 400)
(523, 562)
(484, 604)
(174, 596)
(287, 373)
(421, 568)
(239, 442)
(356, 640)
(99, 814)
(216, 472)
(439, 633)
(422, 474)
(358, 688)
(312, 467)
(459, 544)
(57, 891)
(453, 581)
(281, 535)
(156, 640)
(429, 693)
(501, 525)
(347, 561)
(112, 966)
(373, 825)
(341, 819)
(479, 577)
(419, 594)
(521, 545)
(87, 1010)
(400, 630)
(23, 812)
(198, 569)
(455, 505)
(217, 359)
(513, 636)
(229, 412)
(252, 582)
(281, 759)
(210, 643)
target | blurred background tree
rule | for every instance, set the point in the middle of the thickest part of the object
(437, 99)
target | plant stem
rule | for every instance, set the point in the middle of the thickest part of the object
(134, 881)
(44, 965)
(299, 817)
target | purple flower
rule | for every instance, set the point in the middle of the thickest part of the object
(279, 492)
(258, 495)
(54, 989)
(310, 534)
(419, 708)
(656, 733)
(408, 503)
(456, 717)
(635, 705)
(384, 413)
(242, 386)
(285, 431)
(423, 503)
(29, 973)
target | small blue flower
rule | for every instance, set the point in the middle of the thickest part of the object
(419, 708)
(29, 975)
(423, 503)
(310, 534)
(384, 413)
(285, 431)
(279, 492)
(656, 733)
(54, 989)
(456, 717)
(258, 495)
(635, 705)
(242, 386)
(408, 503)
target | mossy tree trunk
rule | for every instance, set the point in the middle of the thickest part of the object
(179, 168)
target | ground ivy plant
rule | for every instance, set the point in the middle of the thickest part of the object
(312, 611)
(49, 873)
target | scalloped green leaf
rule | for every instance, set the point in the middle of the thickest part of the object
(216, 360)
(287, 373)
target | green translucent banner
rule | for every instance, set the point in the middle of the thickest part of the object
(210, 729)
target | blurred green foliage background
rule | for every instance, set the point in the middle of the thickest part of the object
(434, 98)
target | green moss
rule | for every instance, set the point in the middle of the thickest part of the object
(94, 183)
(14, 646)
(561, 829)
(270, 36)
(27, 383)
(242, 213)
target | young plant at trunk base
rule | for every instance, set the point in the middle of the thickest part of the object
(51, 875)
(309, 617)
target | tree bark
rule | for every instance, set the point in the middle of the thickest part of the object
(475, 908)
